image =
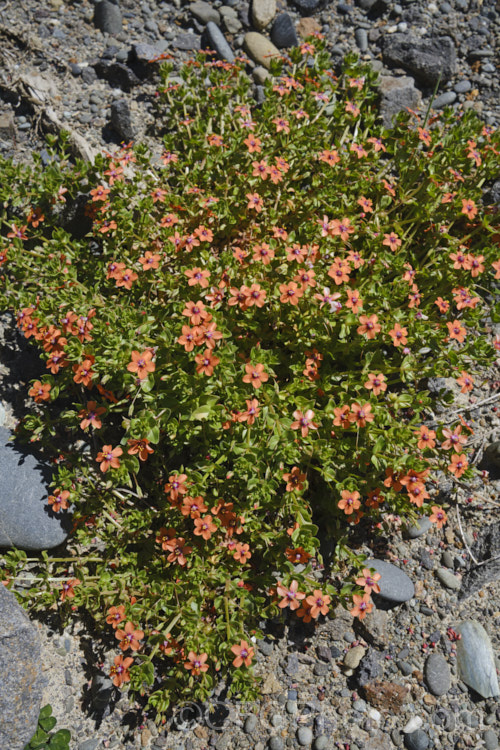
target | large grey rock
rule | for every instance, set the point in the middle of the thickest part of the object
(437, 674)
(475, 659)
(20, 666)
(262, 12)
(215, 39)
(259, 48)
(429, 60)
(24, 512)
(397, 94)
(283, 32)
(108, 18)
(204, 12)
(395, 586)
(121, 120)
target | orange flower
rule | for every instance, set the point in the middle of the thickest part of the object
(178, 550)
(141, 364)
(392, 241)
(361, 414)
(59, 500)
(354, 301)
(40, 391)
(425, 438)
(457, 330)
(291, 293)
(129, 637)
(398, 335)
(126, 278)
(244, 654)
(362, 606)
(253, 144)
(443, 305)
(318, 603)
(304, 422)
(119, 671)
(263, 253)
(206, 362)
(349, 502)
(469, 208)
(294, 479)
(458, 465)
(176, 486)
(115, 615)
(282, 126)
(255, 202)
(204, 527)
(297, 556)
(100, 193)
(197, 276)
(189, 337)
(193, 506)
(438, 516)
(260, 169)
(251, 413)
(376, 383)
(466, 381)
(339, 272)
(140, 447)
(83, 373)
(196, 312)
(341, 228)
(67, 591)
(90, 415)
(255, 375)
(453, 439)
(342, 416)
(369, 581)
(291, 596)
(242, 553)
(108, 458)
(196, 664)
(369, 326)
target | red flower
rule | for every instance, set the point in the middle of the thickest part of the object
(204, 527)
(140, 447)
(115, 615)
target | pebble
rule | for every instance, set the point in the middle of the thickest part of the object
(306, 7)
(448, 579)
(204, 12)
(217, 41)
(321, 743)
(283, 32)
(262, 13)
(304, 736)
(259, 48)
(444, 100)
(475, 659)
(417, 740)
(395, 586)
(354, 656)
(413, 724)
(462, 87)
(276, 743)
(419, 528)
(437, 674)
(361, 38)
(250, 724)
(108, 18)
(447, 559)
(490, 739)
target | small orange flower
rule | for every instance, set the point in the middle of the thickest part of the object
(108, 458)
(291, 595)
(376, 383)
(115, 615)
(361, 414)
(242, 553)
(297, 556)
(58, 500)
(251, 413)
(119, 671)
(469, 208)
(349, 502)
(392, 241)
(304, 422)
(100, 193)
(196, 664)
(294, 479)
(291, 293)
(244, 654)
(458, 465)
(141, 363)
(318, 603)
(140, 447)
(369, 581)
(426, 438)
(67, 589)
(438, 516)
(197, 276)
(206, 362)
(40, 391)
(362, 606)
(369, 326)
(204, 527)
(129, 637)
(255, 375)
(90, 415)
(454, 439)
(398, 335)
(457, 330)
(466, 381)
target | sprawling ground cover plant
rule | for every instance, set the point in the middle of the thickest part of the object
(236, 342)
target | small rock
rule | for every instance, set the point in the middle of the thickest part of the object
(186, 42)
(324, 652)
(385, 695)
(321, 742)
(447, 559)
(91, 744)
(260, 75)
(276, 743)
(204, 12)
(259, 48)
(397, 94)
(395, 586)
(121, 120)
(21, 685)
(448, 579)
(308, 26)
(374, 627)
(354, 656)
(490, 739)
(108, 18)
(417, 740)
(437, 674)
(271, 685)
(117, 74)
(444, 100)
(419, 528)
(429, 60)
(307, 7)
(304, 736)
(412, 725)
(361, 38)
(475, 659)
(283, 32)
(404, 667)
(462, 87)
(217, 41)
(24, 516)
(250, 724)
(262, 13)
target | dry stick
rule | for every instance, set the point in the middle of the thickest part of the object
(467, 408)
(463, 536)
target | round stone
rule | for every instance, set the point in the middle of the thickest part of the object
(354, 656)
(448, 579)
(419, 528)
(250, 724)
(276, 743)
(437, 674)
(490, 740)
(416, 740)
(395, 586)
(304, 736)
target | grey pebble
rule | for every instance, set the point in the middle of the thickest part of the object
(321, 670)
(321, 743)
(304, 736)
(437, 674)
(361, 38)
(447, 559)
(417, 740)
(276, 743)
(291, 707)
(91, 744)
(419, 528)
(444, 100)
(447, 578)
(490, 739)
(250, 724)
(217, 41)
(404, 667)
(462, 87)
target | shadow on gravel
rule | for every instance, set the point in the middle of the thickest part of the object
(486, 548)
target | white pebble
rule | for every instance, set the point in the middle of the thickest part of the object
(414, 723)
(374, 714)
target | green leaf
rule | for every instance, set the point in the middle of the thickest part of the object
(48, 723)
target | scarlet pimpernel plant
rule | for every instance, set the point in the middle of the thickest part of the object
(239, 333)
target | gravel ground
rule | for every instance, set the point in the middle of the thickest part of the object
(310, 696)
